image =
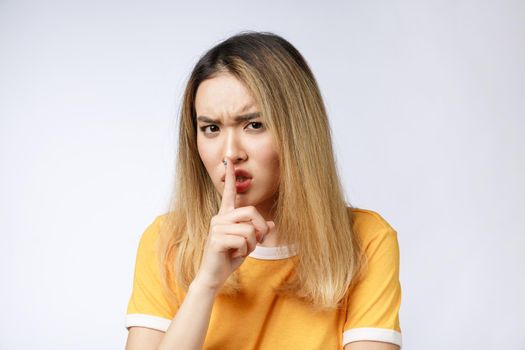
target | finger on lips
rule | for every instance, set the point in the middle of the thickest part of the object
(244, 214)
(230, 192)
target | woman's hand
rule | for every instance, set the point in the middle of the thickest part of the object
(233, 235)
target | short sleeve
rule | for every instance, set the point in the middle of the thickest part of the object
(373, 304)
(148, 305)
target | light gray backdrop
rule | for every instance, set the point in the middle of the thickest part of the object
(426, 102)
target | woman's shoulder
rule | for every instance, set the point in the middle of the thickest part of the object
(151, 233)
(368, 224)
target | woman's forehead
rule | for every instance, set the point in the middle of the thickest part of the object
(223, 96)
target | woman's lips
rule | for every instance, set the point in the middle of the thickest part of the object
(245, 184)
(239, 173)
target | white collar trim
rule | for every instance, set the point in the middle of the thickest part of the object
(273, 253)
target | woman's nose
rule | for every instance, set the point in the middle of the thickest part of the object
(233, 147)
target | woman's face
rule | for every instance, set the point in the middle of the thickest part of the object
(247, 142)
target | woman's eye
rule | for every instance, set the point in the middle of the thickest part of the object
(256, 123)
(203, 128)
(214, 128)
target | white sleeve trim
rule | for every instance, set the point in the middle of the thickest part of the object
(375, 334)
(148, 321)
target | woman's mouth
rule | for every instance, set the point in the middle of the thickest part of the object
(243, 180)
(243, 184)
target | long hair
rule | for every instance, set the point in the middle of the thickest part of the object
(311, 211)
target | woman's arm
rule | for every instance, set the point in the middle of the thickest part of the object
(186, 331)
(188, 328)
(371, 345)
(234, 233)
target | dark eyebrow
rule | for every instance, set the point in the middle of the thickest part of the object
(238, 119)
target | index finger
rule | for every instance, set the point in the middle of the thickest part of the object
(230, 191)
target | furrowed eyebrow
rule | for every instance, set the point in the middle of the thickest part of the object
(238, 119)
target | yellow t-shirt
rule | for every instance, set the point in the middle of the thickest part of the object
(259, 319)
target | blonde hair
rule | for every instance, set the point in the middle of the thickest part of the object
(310, 213)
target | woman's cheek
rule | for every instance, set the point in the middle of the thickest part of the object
(207, 159)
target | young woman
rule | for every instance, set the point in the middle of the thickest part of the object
(259, 249)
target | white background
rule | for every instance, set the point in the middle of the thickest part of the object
(426, 103)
